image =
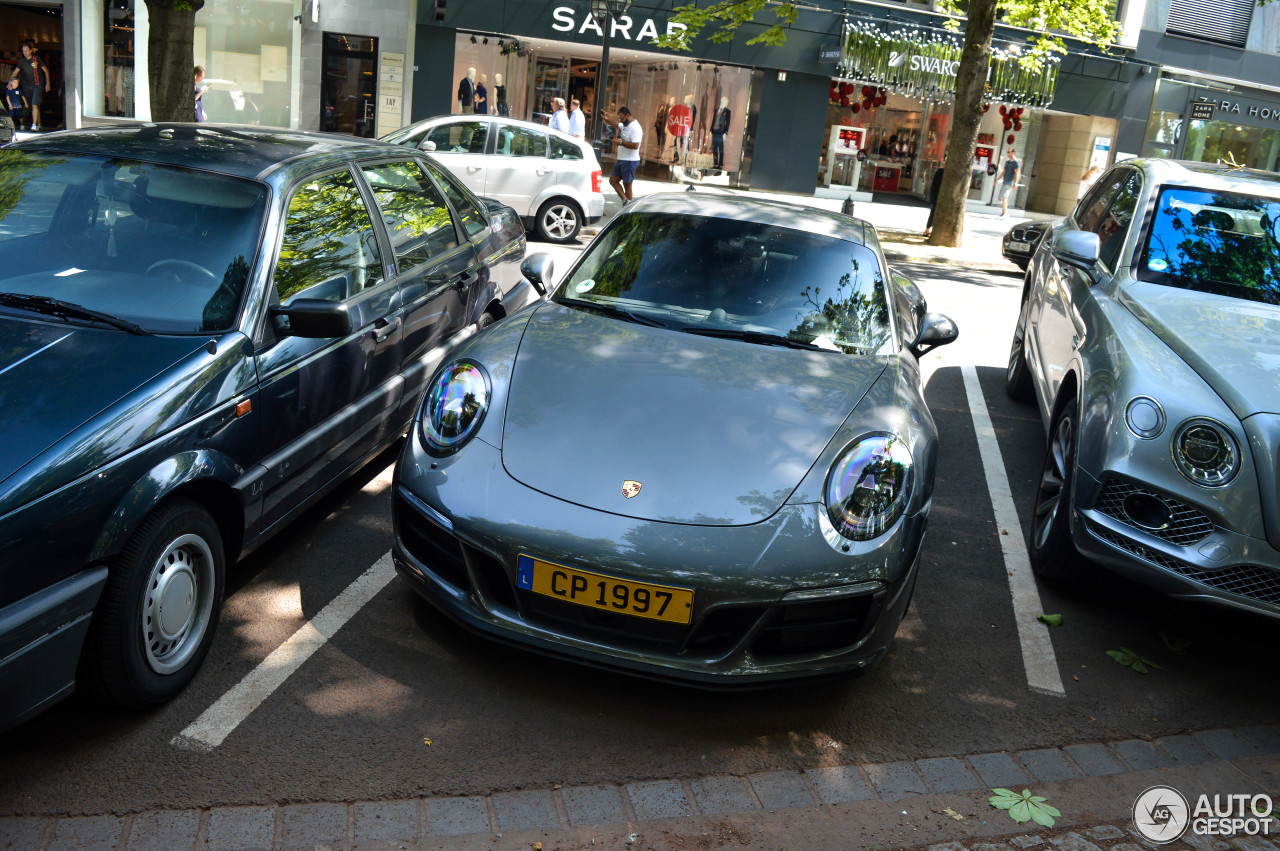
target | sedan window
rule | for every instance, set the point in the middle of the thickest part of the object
(1114, 225)
(168, 249)
(460, 137)
(329, 250)
(1091, 209)
(464, 203)
(563, 149)
(1224, 243)
(714, 275)
(514, 141)
(416, 215)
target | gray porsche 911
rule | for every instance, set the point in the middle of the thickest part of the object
(707, 457)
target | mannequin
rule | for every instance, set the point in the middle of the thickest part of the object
(683, 142)
(500, 96)
(467, 92)
(660, 123)
(482, 95)
(719, 127)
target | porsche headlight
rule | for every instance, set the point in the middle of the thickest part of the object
(1206, 453)
(869, 486)
(454, 406)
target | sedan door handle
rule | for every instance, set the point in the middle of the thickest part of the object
(467, 280)
(382, 329)
(542, 171)
(472, 169)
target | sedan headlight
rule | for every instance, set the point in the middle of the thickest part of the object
(454, 406)
(869, 486)
(1206, 453)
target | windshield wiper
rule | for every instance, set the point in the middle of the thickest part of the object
(67, 310)
(610, 310)
(759, 337)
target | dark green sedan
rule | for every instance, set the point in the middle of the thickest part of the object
(202, 330)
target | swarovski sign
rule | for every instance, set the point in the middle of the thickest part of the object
(924, 64)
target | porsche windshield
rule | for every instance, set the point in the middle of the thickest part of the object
(168, 249)
(1215, 242)
(757, 283)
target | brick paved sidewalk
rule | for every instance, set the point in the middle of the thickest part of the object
(937, 804)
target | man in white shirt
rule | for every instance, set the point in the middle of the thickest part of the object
(624, 169)
(559, 118)
(577, 121)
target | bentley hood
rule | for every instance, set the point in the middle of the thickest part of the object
(1233, 344)
(54, 378)
(697, 430)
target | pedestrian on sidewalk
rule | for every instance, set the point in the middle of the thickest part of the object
(1086, 180)
(935, 186)
(15, 102)
(33, 77)
(559, 118)
(1012, 171)
(630, 135)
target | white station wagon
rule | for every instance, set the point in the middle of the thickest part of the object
(550, 178)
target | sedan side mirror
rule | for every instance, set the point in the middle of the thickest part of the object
(428, 146)
(313, 318)
(538, 268)
(1079, 249)
(935, 330)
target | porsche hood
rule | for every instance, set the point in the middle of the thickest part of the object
(663, 425)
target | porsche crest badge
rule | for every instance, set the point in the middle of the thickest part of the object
(630, 488)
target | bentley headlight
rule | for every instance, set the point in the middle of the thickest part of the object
(1206, 453)
(869, 487)
(454, 406)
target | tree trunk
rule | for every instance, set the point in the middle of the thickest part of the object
(966, 114)
(170, 56)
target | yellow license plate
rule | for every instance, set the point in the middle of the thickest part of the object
(606, 593)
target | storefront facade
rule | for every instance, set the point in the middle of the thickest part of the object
(1194, 122)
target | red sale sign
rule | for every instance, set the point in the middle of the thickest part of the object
(679, 120)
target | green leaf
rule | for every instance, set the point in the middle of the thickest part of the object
(1050, 620)
(1024, 807)
(1130, 659)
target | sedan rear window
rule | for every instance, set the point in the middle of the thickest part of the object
(1215, 242)
(726, 277)
(167, 248)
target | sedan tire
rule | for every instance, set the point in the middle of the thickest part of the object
(155, 620)
(559, 220)
(1051, 550)
(1017, 377)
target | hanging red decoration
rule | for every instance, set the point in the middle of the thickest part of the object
(1008, 125)
(856, 108)
(844, 101)
(1002, 109)
(1010, 139)
(866, 91)
(985, 107)
(1017, 125)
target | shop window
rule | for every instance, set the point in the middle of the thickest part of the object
(462, 137)
(1226, 21)
(246, 49)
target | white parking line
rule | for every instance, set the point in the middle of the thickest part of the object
(216, 723)
(1037, 647)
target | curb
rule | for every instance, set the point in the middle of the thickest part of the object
(905, 804)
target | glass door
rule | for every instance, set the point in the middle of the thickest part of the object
(550, 80)
(348, 90)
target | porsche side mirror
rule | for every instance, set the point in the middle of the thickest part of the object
(538, 268)
(935, 330)
(1078, 249)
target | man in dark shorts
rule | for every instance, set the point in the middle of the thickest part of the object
(33, 79)
(624, 169)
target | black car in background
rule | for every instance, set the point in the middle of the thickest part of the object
(202, 330)
(1021, 242)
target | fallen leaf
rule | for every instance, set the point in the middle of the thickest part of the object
(427, 742)
(1076, 678)
(1130, 659)
(1004, 531)
(537, 846)
(1050, 620)
(1176, 643)
(1025, 807)
(955, 815)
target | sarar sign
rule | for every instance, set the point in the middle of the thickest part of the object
(567, 19)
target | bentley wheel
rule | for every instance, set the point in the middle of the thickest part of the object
(1017, 378)
(1053, 555)
(559, 221)
(155, 619)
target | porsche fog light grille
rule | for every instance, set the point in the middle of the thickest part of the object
(1246, 580)
(433, 546)
(1153, 513)
(796, 628)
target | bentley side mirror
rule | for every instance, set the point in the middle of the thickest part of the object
(538, 268)
(935, 330)
(1078, 249)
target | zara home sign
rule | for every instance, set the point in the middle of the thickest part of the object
(566, 21)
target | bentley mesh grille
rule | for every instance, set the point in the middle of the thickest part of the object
(1187, 525)
(1246, 580)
